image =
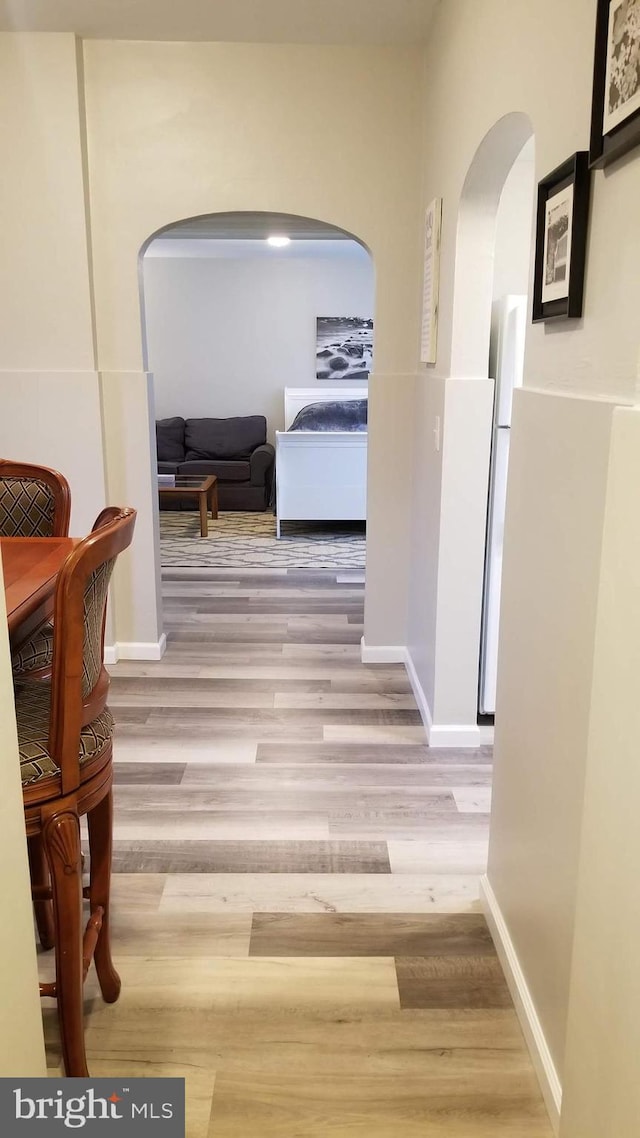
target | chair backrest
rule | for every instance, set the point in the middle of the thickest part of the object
(109, 514)
(79, 682)
(34, 501)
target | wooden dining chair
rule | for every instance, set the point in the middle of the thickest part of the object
(33, 658)
(65, 741)
(35, 501)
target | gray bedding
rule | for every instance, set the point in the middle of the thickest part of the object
(338, 415)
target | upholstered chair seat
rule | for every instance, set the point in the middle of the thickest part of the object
(33, 713)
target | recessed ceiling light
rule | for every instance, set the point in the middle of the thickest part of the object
(277, 241)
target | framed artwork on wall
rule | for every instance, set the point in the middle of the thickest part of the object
(431, 282)
(615, 108)
(561, 240)
(344, 347)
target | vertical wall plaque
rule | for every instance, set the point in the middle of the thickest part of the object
(433, 229)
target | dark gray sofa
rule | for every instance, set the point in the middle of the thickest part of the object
(234, 449)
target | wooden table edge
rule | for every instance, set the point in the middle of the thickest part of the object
(17, 615)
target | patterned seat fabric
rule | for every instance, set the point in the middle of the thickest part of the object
(36, 653)
(32, 713)
(26, 508)
(95, 599)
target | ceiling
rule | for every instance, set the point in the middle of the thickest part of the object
(358, 22)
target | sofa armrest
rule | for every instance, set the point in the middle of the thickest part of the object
(261, 462)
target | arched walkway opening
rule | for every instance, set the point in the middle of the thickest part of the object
(476, 241)
(230, 319)
(473, 490)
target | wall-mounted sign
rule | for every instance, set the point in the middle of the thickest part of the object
(433, 229)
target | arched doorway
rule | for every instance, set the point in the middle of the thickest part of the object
(510, 315)
(468, 436)
(230, 349)
(476, 241)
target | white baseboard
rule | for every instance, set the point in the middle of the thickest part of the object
(439, 734)
(382, 653)
(132, 650)
(454, 735)
(524, 1005)
(418, 692)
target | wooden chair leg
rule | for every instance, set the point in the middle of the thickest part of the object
(61, 839)
(100, 821)
(40, 877)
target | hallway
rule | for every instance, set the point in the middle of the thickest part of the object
(295, 882)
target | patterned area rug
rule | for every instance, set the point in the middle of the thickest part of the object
(246, 540)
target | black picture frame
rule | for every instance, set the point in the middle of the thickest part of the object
(606, 148)
(575, 171)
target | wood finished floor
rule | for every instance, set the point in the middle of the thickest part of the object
(296, 917)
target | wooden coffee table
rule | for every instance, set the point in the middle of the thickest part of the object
(205, 488)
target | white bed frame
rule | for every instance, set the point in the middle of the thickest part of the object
(320, 475)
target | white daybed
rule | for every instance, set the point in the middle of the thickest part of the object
(320, 475)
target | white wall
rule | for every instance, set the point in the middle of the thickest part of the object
(486, 61)
(110, 142)
(52, 393)
(454, 451)
(225, 336)
(514, 223)
(131, 467)
(553, 534)
(45, 315)
(48, 383)
(180, 130)
(602, 1089)
(466, 444)
(496, 48)
(21, 1036)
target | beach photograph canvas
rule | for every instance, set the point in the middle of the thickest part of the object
(344, 347)
(622, 87)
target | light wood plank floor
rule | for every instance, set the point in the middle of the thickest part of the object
(296, 916)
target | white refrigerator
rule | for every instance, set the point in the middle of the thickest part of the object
(506, 366)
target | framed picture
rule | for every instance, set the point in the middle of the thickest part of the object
(431, 282)
(344, 347)
(561, 240)
(615, 108)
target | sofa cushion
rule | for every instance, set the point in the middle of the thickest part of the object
(238, 470)
(235, 437)
(170, 439)
(168, 467)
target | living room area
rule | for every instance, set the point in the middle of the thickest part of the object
(258, 330)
